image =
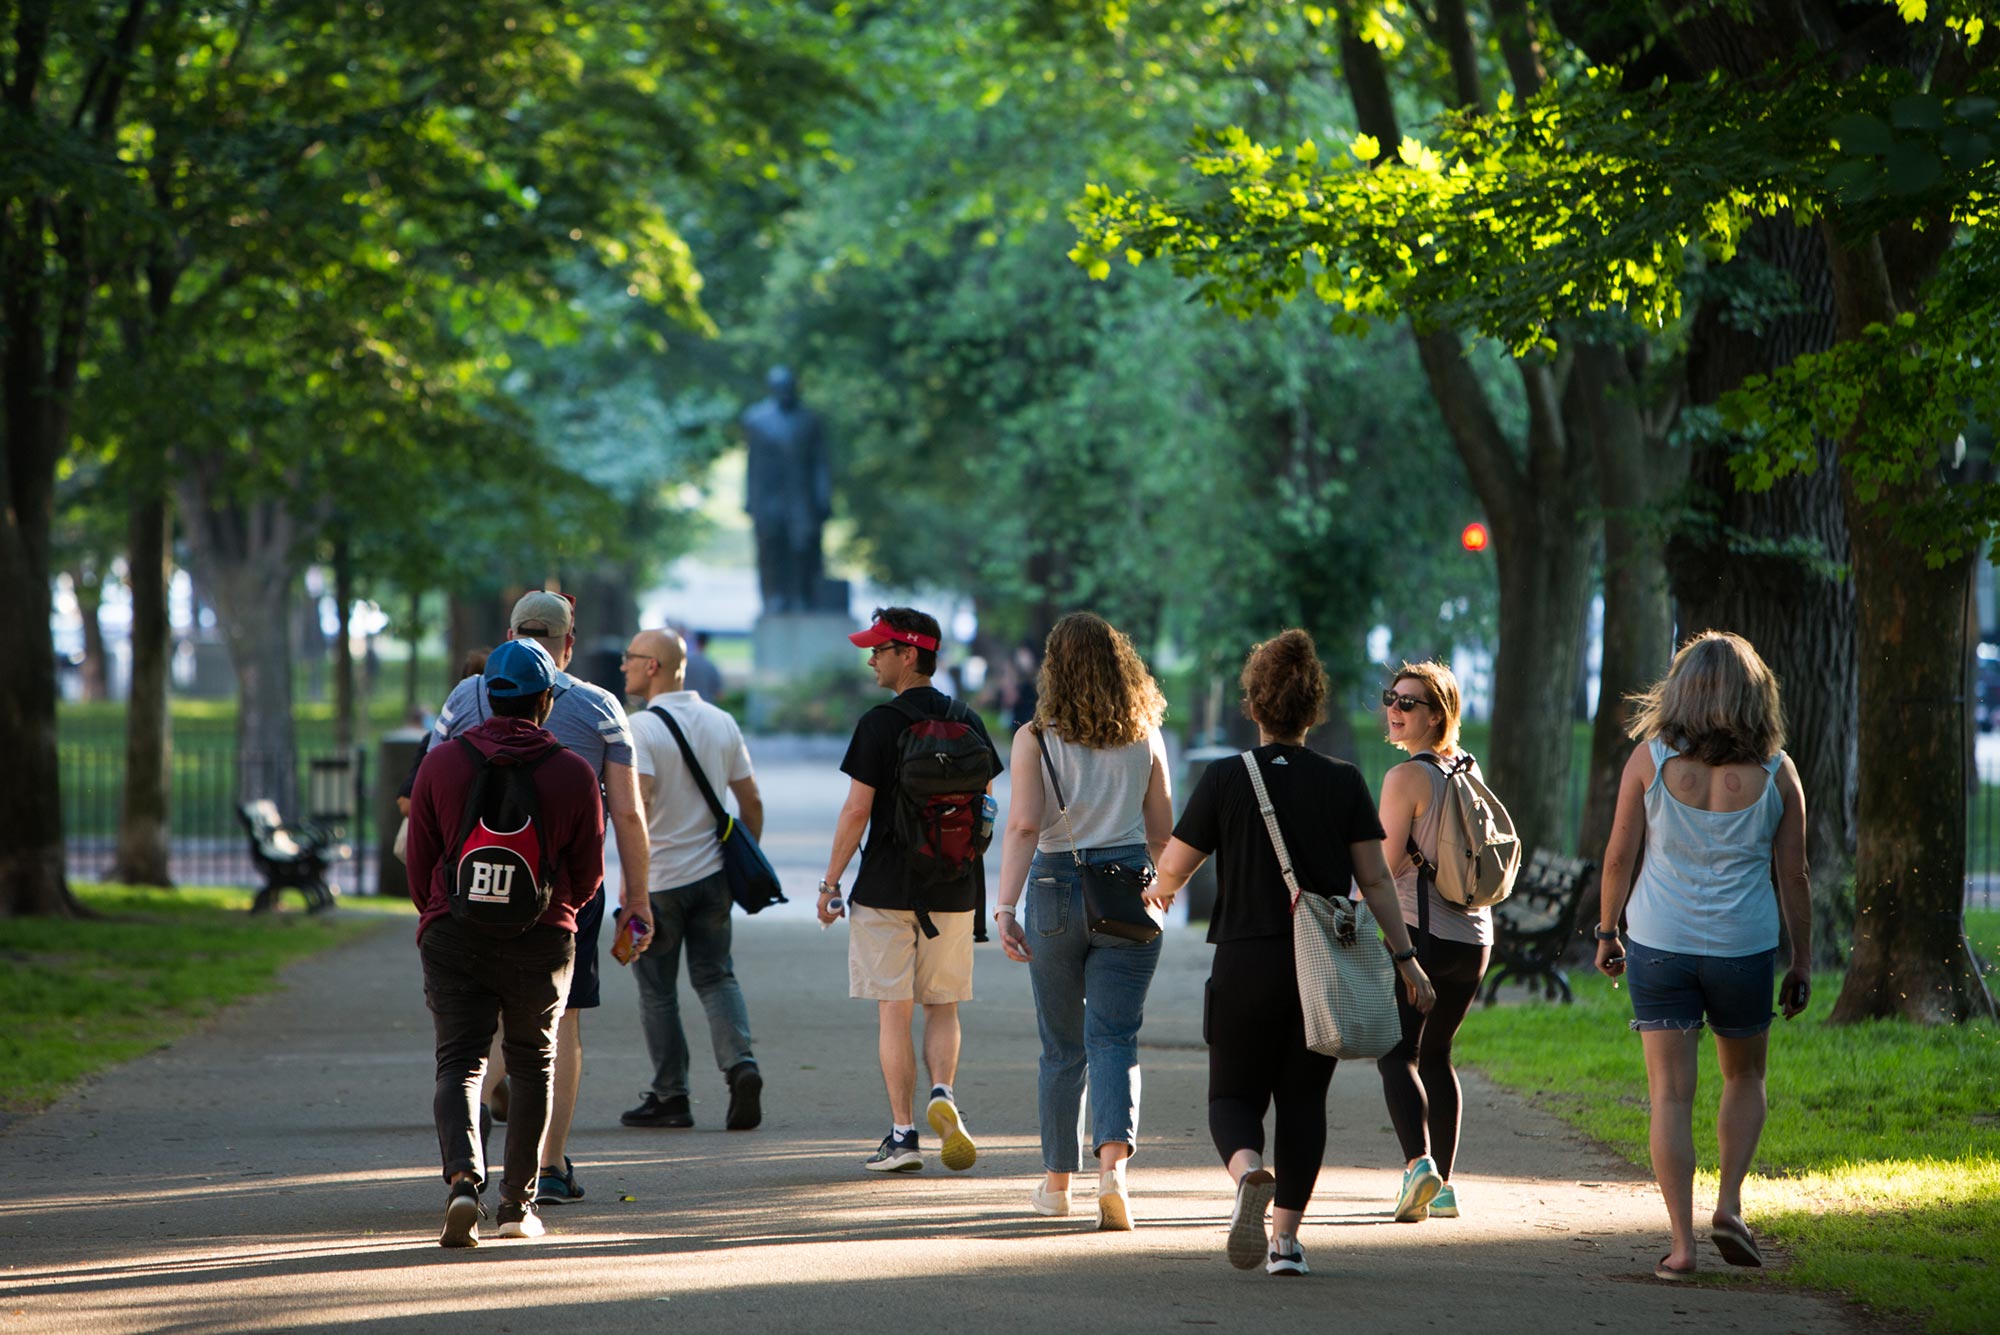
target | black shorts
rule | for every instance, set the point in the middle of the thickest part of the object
(583, 989)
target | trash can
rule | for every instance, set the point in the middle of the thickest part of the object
(1200, 889)
(398, 750)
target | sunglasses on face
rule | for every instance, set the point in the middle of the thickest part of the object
(1403, 704)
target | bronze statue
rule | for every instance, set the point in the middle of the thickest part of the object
(789, 496)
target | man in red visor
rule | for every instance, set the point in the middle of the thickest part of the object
(920, 770)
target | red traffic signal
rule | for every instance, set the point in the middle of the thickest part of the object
(1474, 538)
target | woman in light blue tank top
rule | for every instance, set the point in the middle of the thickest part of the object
(1716, 806)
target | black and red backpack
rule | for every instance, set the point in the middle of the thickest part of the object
(503, 868)
(942, 768)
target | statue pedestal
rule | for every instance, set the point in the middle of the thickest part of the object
(792, 646)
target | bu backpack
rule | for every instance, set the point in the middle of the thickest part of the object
(942, 768)
(1478, 853)
(503, 870)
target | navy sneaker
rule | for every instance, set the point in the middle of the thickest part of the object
(557, 1186)
(896, 1154)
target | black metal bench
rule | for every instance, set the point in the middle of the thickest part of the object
(289, 857)
(1534, 927)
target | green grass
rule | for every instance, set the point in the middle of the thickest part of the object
(1878, 1170)
(81, 995)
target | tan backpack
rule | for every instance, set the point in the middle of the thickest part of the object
(1478, 853)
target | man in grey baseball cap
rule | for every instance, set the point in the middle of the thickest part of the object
(590, 721)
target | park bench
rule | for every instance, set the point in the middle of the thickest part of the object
(288, 857)
(1534, 927)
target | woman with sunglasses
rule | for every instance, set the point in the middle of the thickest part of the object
(1716, 806)
(1421, 711)
(1095, 744)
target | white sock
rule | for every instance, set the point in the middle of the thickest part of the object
(902, 1131)
(942, 1092)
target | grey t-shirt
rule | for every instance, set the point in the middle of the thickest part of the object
(585, 718)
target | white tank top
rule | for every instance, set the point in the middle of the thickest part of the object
(1106, 789)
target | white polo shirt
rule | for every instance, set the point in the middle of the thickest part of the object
(679, 824)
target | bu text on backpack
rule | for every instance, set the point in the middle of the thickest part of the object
(503, 869)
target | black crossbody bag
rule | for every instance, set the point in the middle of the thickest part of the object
(1111, 891)
(752, 883)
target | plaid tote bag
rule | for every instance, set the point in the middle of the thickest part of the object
(1347, 982)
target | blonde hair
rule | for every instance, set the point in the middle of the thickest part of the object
(1094, 689)
(1718, 703)
(1442, 685)
(1284, 684)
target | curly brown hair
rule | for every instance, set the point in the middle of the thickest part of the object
(1718, 703)
(1284, 684)
(1094, 689)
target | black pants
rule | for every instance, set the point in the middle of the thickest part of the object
(1257, 1055)
(1418, 1079)
(474, 985)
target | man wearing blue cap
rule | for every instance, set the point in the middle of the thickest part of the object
(506, 844)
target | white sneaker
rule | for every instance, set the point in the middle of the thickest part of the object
(1247, 1239)
(1050, 1203)
(1287, 1257)
(1114, 1209)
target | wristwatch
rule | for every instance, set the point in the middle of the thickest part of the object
(1399, 957)
(1603, 935)
(1007, 909)
(830, 889)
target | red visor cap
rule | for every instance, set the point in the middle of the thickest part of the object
(880, 633)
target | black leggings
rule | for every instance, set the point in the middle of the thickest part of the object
(1417, 1076)
(1257, 1054)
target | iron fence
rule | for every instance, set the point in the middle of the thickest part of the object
(208, 843)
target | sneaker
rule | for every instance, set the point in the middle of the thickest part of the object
(1421, 1184)
(656, 1111)
(1287, 1257)
(519, 1220)
(957, 1151)
(462, 1213)
(1444, 1205)
(896, 1154)
(1114, 1210)
(1247, 1240)
(1049, 1203)
(557, 1186)
(746, 1095)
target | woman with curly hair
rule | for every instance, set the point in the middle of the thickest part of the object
(1096, 737)
(1251, 1017)
(1716, 805)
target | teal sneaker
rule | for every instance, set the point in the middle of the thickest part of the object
(1444, 1205)
(1420, 1185)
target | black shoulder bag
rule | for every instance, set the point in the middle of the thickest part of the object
(1111, 890)
(752, 883)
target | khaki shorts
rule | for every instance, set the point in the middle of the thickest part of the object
(890, 959)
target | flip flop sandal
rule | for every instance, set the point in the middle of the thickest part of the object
(1735, 1244)
(1667, 1272)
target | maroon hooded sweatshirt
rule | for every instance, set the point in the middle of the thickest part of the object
(571, 820)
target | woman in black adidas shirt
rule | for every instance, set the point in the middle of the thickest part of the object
(1255, 1030)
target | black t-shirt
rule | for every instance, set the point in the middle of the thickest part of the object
(1323, 805)
(871, 758)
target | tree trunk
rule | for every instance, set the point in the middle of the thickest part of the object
(471, 624)
(343, 648)
(1772, 566)
(1910, 957)
(143, 830)
(1637, 475)
(415, 639)
(246, 550)
(1544, 569)
(94, 675)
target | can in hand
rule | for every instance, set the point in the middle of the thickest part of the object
(989, 811)
(631, 931)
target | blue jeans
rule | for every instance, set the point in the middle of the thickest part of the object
(1674, 991)
(1090, 998)
(695, 915)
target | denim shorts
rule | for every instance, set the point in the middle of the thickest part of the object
(1673, 991)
